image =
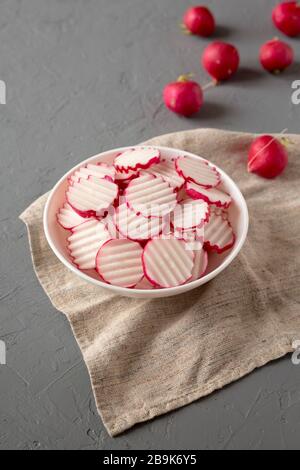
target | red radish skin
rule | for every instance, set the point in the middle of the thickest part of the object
(286, 17)
(200, 21)
(267, 157)
(184, 97)
(275, 56)
(221, 60)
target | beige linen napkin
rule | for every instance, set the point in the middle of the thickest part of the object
(148, 357)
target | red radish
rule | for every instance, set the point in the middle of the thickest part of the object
(167, 263)
(166, 169)
(91, 196)
(68, 218)
(184, 97)
(85, 242)
(200, 264)
(275, 56)
(136, 158)
(119, 262)
(286, 17)
(218, 234)
(267, 157)
(136, 227)
(211, 196)
(190, 214)
(99, 170)
(200, 172)
(151, 196)
(221, 60)
(200, 21)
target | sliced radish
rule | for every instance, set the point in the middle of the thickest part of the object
(198, 171)
(218, 234)
(167, 263)
(200, 264)
(125, 177)
(92, 196)
(194, 238)
(133, 159)
(119, 262)
(99, 170)
(212, 196)
(190, 214)
(85, 241)
(166, 169)
(136, 227)
(150, 196)
(144, 284)
(219, 211)
(68, 218)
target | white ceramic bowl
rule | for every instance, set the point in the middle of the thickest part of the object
(57, 236)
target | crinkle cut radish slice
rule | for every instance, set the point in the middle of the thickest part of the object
(119, 262)
(200, 264)
(166, 169)
(150, 196)
(219, 211)
(91, 196)
(144, 284)
(136, 227)
(68, 218)
(211, 196)
(125, 177)
(198, 171)
(135, 158)
(194, 238)
(218, 234)
(167, 263)
(190, 214)
(99, 170)
(85, 241)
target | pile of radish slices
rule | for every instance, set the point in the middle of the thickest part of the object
(147, 221)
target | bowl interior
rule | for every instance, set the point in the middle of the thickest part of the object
(57, 236)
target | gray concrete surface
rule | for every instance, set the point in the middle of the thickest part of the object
(83, 76)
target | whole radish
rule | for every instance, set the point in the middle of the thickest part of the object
(275, 56)
(267, 157)
(200, 21)
(286, 17)
(221, 60)
(184, 97)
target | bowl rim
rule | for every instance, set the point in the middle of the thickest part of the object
(168, 291)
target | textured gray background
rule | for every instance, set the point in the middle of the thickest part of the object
(85, 76)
